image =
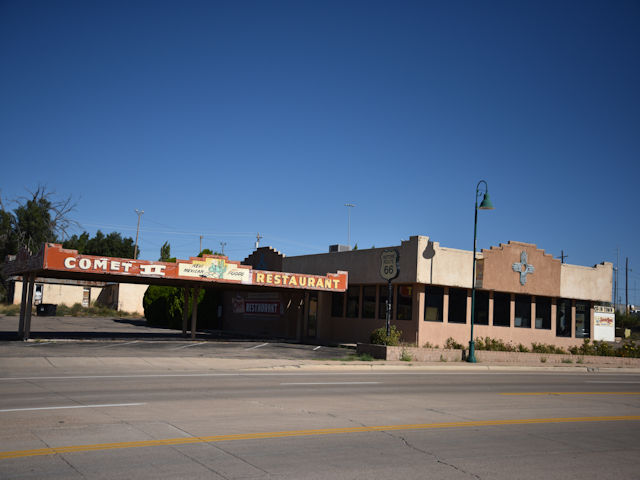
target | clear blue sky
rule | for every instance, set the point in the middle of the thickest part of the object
(225, 119)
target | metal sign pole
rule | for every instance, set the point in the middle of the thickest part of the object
(389, 309)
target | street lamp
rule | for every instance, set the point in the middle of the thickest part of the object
(484, 205)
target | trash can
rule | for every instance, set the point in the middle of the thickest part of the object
(46, 310)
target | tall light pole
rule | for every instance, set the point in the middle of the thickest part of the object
(484, 205)
(349, 207)
(135, 249)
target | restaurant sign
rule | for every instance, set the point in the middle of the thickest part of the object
(209, 268)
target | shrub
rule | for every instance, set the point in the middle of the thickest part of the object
(493, 344)
(452, 344)
(163, 306)
(379, 336)
(544, 348)
(405, 356)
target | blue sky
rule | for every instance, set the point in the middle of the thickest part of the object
(225, 119)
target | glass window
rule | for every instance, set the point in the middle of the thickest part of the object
(457, 305)
(583, 319)
(382, 301)
(353, 301)
(369, 301)
(543, 313)
(337, 304)
(481, 307)
(433, 304)
(523, 311)
(404, 309)
(501, 309)
(563, 318)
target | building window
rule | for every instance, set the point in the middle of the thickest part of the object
(457, 305)
(481, 314)
(353, 301)
(404, 309)
(563, 318)
(382, 301)
(369, 301)
(433, 304)
(523, 311)
(337, 304)
(543, 313)
(501, 309)
(583, 319)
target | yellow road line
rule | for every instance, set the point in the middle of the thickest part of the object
(570, 393)
(300, 433)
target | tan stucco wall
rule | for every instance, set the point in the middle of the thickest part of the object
(498, 273)
(587, 283)
(363, 265)
(130, 297)
(58, 294)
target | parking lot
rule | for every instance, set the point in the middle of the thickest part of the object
(109, 337)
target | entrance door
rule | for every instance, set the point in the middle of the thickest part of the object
(312, 315)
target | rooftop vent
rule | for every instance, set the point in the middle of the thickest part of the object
(339, 248)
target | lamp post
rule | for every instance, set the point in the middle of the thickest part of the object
(484, 205)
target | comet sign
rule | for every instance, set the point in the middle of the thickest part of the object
(389, 264)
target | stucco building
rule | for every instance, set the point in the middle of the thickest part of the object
(523, 294)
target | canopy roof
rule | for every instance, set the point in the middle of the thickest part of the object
(53, 261)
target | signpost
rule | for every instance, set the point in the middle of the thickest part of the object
(389, 270)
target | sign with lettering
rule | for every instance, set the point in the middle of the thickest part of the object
(389, 264)
(209, 268)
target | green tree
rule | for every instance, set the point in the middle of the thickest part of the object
(38, 218)
(111, 245)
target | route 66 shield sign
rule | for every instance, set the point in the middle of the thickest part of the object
(389, 264)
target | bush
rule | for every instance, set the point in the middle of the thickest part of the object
(405, 356)
(544, 348)
(493, 344)
(379, 336)
(452, 344)
(163, 306)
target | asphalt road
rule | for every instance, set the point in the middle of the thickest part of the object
(318, 425)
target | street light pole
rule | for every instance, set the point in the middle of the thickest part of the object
(135, 249)
(484, 205)
(349, 207)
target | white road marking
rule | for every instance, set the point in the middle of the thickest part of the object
(72, 406)
(257, 346)
(331, 383)
(609, 381)
(317, 348)
(189, 345)
(34, 344)
(118, 344)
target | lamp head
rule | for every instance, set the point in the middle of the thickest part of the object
(486, 203)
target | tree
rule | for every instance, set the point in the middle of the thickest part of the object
(111, 245)
(165, 252)
(37, 219)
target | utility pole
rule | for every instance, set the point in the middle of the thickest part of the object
(349, 207)
(135, 249)
(626, 286)
(222, 244)
(258, 238)
(615, 281)
(200, 244)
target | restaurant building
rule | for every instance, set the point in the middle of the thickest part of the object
(523, 295)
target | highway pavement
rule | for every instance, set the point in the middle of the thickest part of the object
(346, 424)
(141, 408)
